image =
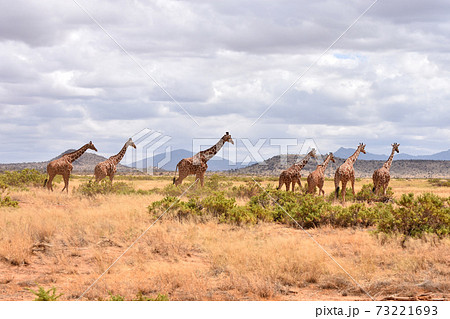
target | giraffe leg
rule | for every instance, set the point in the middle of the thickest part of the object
(353, 185)
(111, 177)
(288, 185)
(50, 182)
(336, 184)
(66, 183)
(280, 182)
(320, 184)
(200, 176)
(181, 175)
(344, 190)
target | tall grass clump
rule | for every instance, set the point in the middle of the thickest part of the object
(105, 187)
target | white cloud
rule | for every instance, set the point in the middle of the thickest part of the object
(64, 81)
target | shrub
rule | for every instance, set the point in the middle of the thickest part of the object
(159, 297)
(116, 297)
(105, 187)
(172, 207)
(366, 194)
(6, 201)
(45, 295)
(217, 204)
(413, 217)
(439, 182)
(245, 191)
(23, 178)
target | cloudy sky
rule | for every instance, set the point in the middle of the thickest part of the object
(73, 71)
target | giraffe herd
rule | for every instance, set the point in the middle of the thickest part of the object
(197, 165)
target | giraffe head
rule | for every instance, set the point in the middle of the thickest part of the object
(361, 147)
(91, 146)
(312, 153)
(395, 147)
(227, 138)
(131, 143)
(331, 157)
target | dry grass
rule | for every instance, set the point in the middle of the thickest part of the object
(67, 241)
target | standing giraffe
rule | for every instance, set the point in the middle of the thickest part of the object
(109, 167)
(381, 176)
(63, 166)
(292, 174)
(346, 172)
(197, 163)
(317, 177)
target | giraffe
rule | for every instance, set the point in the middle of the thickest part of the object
(63, 166)
(197, 163)
(292, 174)
(109, 167)
(317, 177)
(381, 176)
(346, 172)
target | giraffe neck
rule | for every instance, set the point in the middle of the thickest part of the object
(389, 161)
(352, 159)
(325, 164)
(75, 155)
(117, 158)
(210, 152)
(298, 166)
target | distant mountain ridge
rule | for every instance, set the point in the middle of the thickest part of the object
(346, 152)
(83, 165)
(399, 169)
(217, 163)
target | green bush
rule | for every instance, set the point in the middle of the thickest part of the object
(439, 182)
(248, 190)
(217, 204)
(366, 194)
(6, 201)
(105, 187)
(414, 216)
(173, 208)
(159, 297)
(45, 295)
(21, 179)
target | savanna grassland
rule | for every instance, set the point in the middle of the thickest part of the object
(226, 241)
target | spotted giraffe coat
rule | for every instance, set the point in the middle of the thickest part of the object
(63, 166)
(317, 178)
(346, 172)
(109, 167)
(292, 175)
(197, 164)
(382, 176)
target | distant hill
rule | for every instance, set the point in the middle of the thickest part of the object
(365, 168)
(346, 152)
(83, 165)
(217, 163)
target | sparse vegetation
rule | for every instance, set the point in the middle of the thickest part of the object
(46, 295)
(105, 187)
(226, 241)
(22, 179)
(439, 182)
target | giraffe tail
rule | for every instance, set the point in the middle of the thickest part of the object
(45, 182)
(373, 189)
(337, 192)
(174, 178)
